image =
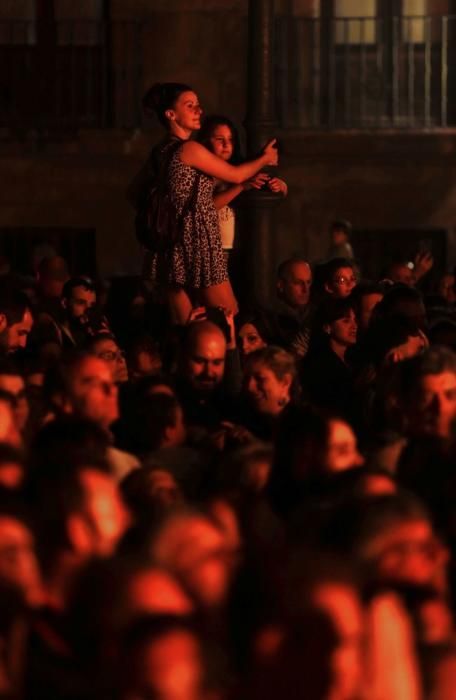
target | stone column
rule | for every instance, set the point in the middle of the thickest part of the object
(258, 230)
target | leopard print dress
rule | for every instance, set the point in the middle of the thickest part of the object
(198, 260)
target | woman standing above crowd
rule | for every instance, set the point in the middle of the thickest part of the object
(194, 268)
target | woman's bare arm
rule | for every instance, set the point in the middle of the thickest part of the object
(199, 157)
(221, 199)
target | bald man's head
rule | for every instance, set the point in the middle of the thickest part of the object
(204, 357)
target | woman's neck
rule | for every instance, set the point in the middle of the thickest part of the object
(338, 348)
(176, 130)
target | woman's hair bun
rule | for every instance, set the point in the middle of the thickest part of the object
(152, 99)
(161, 97)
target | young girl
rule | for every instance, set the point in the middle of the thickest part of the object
(195, 266)
(220, 136)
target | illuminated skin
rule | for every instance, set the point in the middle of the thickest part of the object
(154, 591)
(145, 363)
(11, 475)
(378, 485)
(205, 361)
(257, 474)
(249, 339)
(447, 288)
(343, 331)
(15, 385)
(222, 142)
(435, 411)
(226, 519)
(407, 552)
(18, 562)
(437, 621)
(164, 488)
(412, 346)
(185, 116)
(170, 668)
(342, 450)
(108, 350)
(402, 274)
(176, 435)
(391, 644)
(106, 512)
(195, 550)
(295, 288)
(93, 392)
(342, 284)
(9, 432)
(14, 337)
(342, 605)
(368, 303)
(268, 393)
(80, 301)
(339, 236)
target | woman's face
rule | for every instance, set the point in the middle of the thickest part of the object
(344, 330)
(342, 283)
(266, 391)
(222, 141)
(342, 452)
(249, 339)
(186, 112)
(447, 288)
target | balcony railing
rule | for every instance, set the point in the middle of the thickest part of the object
(364, 72)
(349, 73)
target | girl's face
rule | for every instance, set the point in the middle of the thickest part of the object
(342, 283)
(267, 392)
(250, 339)
(343, 331)
(186, 112)
(222, 142)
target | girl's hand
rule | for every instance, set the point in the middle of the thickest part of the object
(271, 153)
(198, 313)
(423, 263)
(275, 184)
(256, 183)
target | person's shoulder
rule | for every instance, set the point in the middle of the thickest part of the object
(164, 149)
(191, 147)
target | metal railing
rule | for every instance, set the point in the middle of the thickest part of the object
(330, 73)
(362, 73)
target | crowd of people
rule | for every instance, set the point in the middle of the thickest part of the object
(201, 502)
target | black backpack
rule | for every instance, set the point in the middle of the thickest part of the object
(158, 225)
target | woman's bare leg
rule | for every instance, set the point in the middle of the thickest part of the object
(179, 304)
(219, 295)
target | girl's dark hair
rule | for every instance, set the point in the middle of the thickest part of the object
(260, 321)
(163, 96)
(331, 310)
(207, 129)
